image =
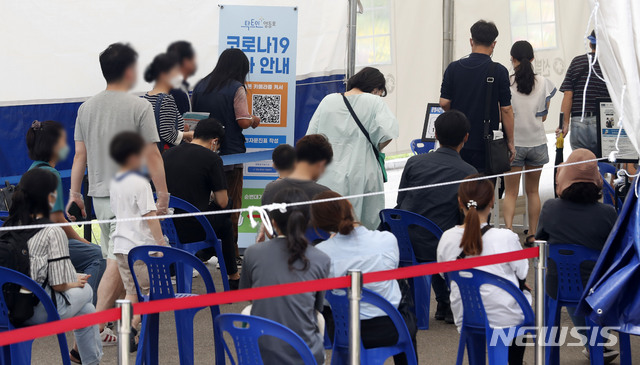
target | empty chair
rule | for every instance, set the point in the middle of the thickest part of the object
(476, 331)
(159, 261)
(247, 330)
(399, 222)
(183, 275)
(418, 146)
(20, 353)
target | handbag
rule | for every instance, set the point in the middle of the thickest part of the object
(497, 155)
(5, 196)
(379, 155)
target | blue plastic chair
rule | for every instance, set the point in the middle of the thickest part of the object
(339, 302)
(418, 147)
(476, 331)
(160, 287)
(609, 195)
(247, 330)
(316, 234)
(184, 276)
(399, 222)
(20, 353)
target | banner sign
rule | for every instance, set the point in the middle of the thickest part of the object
(268, 36)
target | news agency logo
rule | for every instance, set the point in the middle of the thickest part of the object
(259, 23)
(556, 336)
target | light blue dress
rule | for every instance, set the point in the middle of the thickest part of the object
(355, 169)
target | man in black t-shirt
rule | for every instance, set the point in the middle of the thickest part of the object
(464, 88)
(195, 174)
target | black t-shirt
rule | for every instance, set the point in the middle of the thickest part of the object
(465, 84)
(311, 188)
(193, 173)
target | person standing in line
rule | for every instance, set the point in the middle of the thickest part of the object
(223, 94)
(186, 56)
(464, 88)
(530, 97)
(583, 127)
(165, 72)
(100, 118)
(356, 168)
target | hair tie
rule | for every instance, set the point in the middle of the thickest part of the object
(36, 125)
(472, 204)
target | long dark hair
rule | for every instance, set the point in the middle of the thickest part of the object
(42, 137)
(367, 80)
(293, 224)
(31, 197)
(525, 78)
(233, 65)
(334, 216)
(474, 196)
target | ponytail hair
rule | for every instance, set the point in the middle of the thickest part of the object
(41, 139)
(162, 63)
(474, 196)
(333, 216)
(524, 77)
(31, 197)
(293, 224)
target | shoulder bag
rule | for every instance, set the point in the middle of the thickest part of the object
(497, 158)
(379, 155)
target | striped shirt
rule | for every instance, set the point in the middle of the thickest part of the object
(49, 257)
(575, 80)
(169, 131)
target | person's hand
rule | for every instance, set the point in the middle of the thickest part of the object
(528, 287)
(162, 205)
(187, 136)
(82, 280)
(75, 197)
(255, 121)
(512, 150)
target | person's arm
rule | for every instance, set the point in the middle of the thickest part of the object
(445, 104)
(82, 280)
(241, 109)
(507, 123)
(565, 108)
(544, 117)
(221, 197)
(77, 173)
(156, 169)
(384, 144)
(404, 182)
(446, 89)
(58, 217)
(156, 229)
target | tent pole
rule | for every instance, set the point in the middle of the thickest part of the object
(351, 44)
(447, 33)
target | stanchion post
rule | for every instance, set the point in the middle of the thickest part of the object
(124, 330)
(541, 269)
(355, 295)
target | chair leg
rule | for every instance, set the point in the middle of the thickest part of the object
(498, 354)
(421, 297)
(20, 353)
(184, 330)
(477, 349)
(625, 348)
(462, 344)
(596, 351)
(552, 353)
(148, 342)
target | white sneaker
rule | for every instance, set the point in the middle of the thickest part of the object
(213, 261)
(108, 337)
(195, 273)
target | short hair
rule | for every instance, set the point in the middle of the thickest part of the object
(484, 33)
(124, 145)
(42, 138)
(284, 157)
(115, 60)
(314, 148)
(208, 129)
(367, 80)
(451, 128)
(182, 50)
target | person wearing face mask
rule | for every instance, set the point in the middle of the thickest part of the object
(186, 55)
(165, 72)
(195, 174)
(50, 265)
(47, 146)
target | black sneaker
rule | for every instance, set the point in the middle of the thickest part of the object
(442, 310)
(133, 340)
(234, 284)
(239, 262)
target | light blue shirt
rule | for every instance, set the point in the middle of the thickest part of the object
(367, 251)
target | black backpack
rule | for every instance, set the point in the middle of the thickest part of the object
(14, 255)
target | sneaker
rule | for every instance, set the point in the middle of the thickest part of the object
(213, 261)
(441, 312)
(609, 354)
(195, 273)
(108, 337)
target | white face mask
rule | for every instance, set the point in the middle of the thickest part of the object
(176, 81)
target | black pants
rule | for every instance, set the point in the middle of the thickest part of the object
(440, 288)
(516, 353)
(224, 230)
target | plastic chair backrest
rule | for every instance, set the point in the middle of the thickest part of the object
(316, 234)
(169, 228)
(249, 329)
(159, 260)
(469, 283)
(609, 193)
(568, 258)
(399, 222)
(418, 147)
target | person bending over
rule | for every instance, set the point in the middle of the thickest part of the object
(50, 264)
(195, 174)
(354, 247)
(467, 240)
(286, 259)
(131, 197)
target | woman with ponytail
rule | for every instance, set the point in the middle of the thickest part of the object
(353, 246)
(531, 95)
(164, 70)
(288, 258)
(476, 238)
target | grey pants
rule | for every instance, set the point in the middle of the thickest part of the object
(584, 134)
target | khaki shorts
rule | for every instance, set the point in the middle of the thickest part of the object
(127, 279)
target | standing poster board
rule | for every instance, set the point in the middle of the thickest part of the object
(429, 130)
(268, 36)
(607, 122)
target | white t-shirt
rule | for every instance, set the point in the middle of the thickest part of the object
(131, 197)
(367, 251)
(501, 308)
(528, 111)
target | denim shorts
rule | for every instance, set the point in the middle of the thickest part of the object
(531, 156)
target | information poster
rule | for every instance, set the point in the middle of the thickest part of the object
(608, 127)
(429, 130)
(268, 36)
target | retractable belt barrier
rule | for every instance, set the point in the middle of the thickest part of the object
(206, 300)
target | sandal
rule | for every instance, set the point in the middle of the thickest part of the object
(529, 241)
(75, 356)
